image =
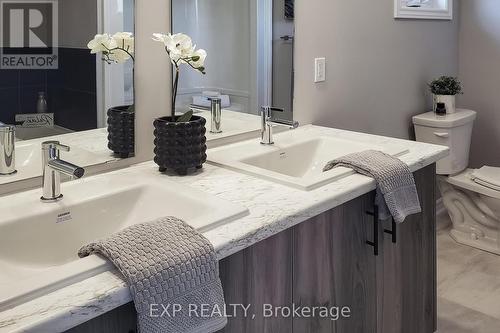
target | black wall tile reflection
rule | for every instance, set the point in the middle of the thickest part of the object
(70, 90)
(9, 79)
(74, 110)
(35, 77)
(77, 68)
(9, 104)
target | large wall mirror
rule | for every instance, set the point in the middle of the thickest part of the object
(53, 88)
(250, 46)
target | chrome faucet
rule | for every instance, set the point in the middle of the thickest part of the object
(216, 112)
(7, 149)
(53, 166)
(266, 131)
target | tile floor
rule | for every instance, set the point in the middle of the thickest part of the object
(468, 288)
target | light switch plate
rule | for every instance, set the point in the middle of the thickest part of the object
(319, 70)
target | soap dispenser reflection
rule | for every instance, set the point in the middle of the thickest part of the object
(41, 103)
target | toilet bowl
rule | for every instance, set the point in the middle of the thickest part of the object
(470, 196)
(474, 211)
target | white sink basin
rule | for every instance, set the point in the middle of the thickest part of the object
(29, 160)
(296, 159)
(39, 241)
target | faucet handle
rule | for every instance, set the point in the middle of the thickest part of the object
(273, 109)
(268, 110)
(63, 147)
(267, 115)
(55, 145)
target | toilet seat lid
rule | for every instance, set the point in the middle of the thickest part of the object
(485, 184)
(464, 180)
(487, 176)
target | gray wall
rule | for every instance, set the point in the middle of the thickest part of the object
(377, 67)
(479, 70)
(77, 22)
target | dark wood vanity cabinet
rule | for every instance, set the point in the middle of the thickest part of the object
(334, 267)
(406, 271)
(326, 262)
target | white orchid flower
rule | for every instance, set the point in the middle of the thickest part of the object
(181, 42)
(101, 43)
(157, 37)
(181, 50)
(115, 49)
(178, 46)
(125, 40)
(199, 59)
(118, 56)
(168, 42)
(124, 49)
(123, 35)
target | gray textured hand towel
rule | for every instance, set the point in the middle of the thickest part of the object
(396, 191)
(167, 265)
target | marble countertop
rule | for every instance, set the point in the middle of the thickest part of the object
(273, 208)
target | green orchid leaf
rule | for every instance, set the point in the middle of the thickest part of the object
(185, 117)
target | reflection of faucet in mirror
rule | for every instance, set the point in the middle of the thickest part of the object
(216, 114)
(53, 166)
(268, 122)
(7, 150)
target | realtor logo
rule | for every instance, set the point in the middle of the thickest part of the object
(29, 34)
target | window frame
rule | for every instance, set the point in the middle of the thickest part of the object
(403, 12)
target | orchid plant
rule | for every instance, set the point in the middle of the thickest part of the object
(115, 49)
(181, 50)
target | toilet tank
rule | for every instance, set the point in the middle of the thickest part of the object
(453, 130)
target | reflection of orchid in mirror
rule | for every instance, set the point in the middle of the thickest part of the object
(115, 49)
(181, 50)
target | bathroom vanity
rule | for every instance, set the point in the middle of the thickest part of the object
(291, 246)
(325, 261)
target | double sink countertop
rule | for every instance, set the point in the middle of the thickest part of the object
(272, 207)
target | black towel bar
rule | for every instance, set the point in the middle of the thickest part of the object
(375, 243)
(392, 232)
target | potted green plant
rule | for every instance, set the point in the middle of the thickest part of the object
(444, 90)
(180, 142)
(117, 49)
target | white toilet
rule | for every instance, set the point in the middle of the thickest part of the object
(471, 196)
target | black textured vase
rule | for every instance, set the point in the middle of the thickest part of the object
(121, 136)
(180, 146)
